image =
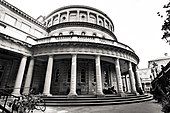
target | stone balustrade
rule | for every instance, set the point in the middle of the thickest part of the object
(88, 39)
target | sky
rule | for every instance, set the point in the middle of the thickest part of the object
(136, 22)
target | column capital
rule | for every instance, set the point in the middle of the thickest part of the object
(130, 65)
(51, 55)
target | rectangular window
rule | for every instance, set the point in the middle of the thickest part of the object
(73, 16)
(25, 27)
(10, 20)
(38, 34)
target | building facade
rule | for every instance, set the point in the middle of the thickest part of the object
(147, 75)
(156, 65)
(73, 51)
(146, 78)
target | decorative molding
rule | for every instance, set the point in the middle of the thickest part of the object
(85, 48)
(11, 44)
(81, 24)
(6, 37)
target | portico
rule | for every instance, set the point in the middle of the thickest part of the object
(85, 71)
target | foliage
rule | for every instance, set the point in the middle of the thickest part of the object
(166, 24)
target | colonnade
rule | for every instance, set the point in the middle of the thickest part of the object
(72, 93)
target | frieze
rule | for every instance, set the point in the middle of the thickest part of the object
(81, 48)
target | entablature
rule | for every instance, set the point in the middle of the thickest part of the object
(85, 48)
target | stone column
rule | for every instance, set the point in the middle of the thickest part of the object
(139, 84)
(88, 16)
(97, 19)
(127, 89)
(68, 16)
(28, 77)
(48, 76)
(78, 15)
(99, 89)
(132, 79)
(72, 92)
(119, 78)
(19, 77)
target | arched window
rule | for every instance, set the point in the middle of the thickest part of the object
(71, 33)
(83, 33)
(83, 75)
(63, 18)
(57, 75)
(60, 34)
(69, 75)
(94, 34)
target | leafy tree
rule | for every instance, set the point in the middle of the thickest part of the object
(166, 24)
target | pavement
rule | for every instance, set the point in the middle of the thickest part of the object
(143, 107)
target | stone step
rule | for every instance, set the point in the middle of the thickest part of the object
(103, 103)
(86, 97)
(95, 101)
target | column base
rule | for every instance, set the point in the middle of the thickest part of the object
(122, 94)
(135, 93)
(16, 94)
(140, 91)
(25, 93)
(72, 95)
(100, 95)
(47, 94)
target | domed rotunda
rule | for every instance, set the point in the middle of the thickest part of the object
(72, 52)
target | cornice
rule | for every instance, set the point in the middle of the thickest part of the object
(21, 13)
(6, 37)
(80, 24)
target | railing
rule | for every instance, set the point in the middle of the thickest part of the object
(79, 38)
(20, 104)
